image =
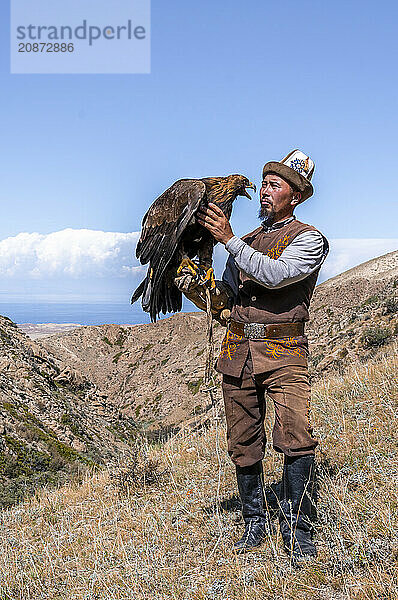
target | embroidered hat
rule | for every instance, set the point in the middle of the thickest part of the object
(297, 169)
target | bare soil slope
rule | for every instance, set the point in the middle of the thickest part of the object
(154, 372)
(150, 372)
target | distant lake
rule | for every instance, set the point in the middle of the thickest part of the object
(43, 310)
(69, 312)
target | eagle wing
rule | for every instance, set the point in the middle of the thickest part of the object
(162, 228)
(165, 222)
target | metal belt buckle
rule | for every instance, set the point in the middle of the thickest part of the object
(253, 330)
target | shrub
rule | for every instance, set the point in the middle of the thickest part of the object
(371, 301)
(121, 338)
(316, 359)
(194, 386)
(117, 356)
(139, 472)
(375, 336)
(391, 305)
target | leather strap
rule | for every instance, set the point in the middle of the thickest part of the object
(274, 331)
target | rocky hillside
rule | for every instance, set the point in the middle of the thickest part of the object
(53, 420)
(154, 372)
(354, 314)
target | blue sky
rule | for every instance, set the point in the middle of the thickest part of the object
(232, 86)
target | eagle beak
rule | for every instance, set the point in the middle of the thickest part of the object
(250, 186)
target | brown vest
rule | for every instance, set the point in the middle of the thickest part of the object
(258, 304)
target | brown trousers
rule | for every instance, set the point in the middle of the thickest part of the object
(244, 399)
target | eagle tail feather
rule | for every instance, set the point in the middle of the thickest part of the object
(144, 290)
(138, 292)
(165, 298)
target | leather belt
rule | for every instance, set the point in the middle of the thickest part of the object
(273, 331)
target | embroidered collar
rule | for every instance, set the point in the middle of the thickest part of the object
(278, 225)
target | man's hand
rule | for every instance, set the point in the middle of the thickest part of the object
(216, 222)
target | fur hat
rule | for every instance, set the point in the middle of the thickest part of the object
(297, 169)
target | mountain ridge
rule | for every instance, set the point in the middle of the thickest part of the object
(154, 372)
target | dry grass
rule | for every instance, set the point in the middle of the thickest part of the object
(162, 528)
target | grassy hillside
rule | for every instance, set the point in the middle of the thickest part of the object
(53, 421)
(162, 528)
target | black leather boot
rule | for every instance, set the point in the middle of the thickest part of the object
(255, 516)
(297, 507)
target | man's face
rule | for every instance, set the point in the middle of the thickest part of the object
(276, 196)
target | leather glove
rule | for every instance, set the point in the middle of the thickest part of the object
(191, 275)
(193, 287)
(186, 282)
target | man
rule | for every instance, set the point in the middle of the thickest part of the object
(268, 282)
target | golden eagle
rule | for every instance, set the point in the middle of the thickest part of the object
(171, 236)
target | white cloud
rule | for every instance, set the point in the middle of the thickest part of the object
(86, 253)
(347, 253)
(75, 253)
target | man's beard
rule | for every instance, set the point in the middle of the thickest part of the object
(267, 215)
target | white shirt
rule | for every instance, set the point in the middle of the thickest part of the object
(301, 257)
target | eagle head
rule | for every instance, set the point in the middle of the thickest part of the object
(238, 185)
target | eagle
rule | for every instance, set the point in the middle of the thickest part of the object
(171, 236)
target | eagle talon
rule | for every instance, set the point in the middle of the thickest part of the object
(208, 280)
(188, 265)
(198, 274)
